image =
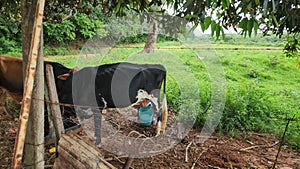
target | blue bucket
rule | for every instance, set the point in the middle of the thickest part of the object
(145, 115)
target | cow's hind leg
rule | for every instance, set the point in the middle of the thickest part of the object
(97, 124)
(158, 128)
(163, 118)
(164, 114)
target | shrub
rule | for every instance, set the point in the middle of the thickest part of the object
(10, 34)
(247, 108)
(86, 27)
(59, 33)
(80, 27)
(173, 93)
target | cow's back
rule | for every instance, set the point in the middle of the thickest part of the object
(120, 82)
(116, 83)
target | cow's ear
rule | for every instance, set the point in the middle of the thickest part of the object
(64, 76)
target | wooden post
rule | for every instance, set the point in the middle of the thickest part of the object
(55, 109)
(51, 134)
(34, 142)
(29, 80)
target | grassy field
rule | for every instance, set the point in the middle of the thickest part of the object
(261, 84)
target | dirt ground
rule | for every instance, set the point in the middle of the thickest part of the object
(250, 150)
(219, 152)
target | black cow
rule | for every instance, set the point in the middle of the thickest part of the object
(112, 85)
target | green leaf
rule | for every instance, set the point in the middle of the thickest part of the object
(218, 29)
(213, 27)
(224, 4)
(275, 20)
(118, 6)
(190, 16)
(207, 22)
(223, 34)
(255, 26)
(243, 24)
(249, 27)
(202, 27)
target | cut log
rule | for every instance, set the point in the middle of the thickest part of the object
(75, 153)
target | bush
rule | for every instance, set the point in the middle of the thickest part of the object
(10, 35)
(79, 27)
(86, 27)
(59, 33)
(247, 108)
(173, 93)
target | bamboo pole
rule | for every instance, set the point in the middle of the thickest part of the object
(29, 80)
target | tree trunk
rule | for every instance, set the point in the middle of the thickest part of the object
(34, 143)
(151, 39)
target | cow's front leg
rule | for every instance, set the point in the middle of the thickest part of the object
(97, 124)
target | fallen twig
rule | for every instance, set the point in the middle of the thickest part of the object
(214, 167)
(51, 158)
(119, 160)
(203, 151)
(142, 143)
(259, 146)
(186, 151)
(272, 145)
(48, 166)
(136, 132)
(249, 148)
(119, 127)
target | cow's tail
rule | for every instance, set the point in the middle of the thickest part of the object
(165, 81)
